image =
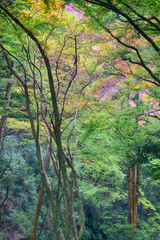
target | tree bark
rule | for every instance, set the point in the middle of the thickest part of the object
(40, 200)
(130, 196)
(4, 116)
(133, 196)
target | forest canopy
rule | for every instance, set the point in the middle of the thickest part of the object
(79, 120)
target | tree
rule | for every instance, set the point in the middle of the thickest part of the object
(135, 29)
(61, 203)
(138, 22)
(5, 99)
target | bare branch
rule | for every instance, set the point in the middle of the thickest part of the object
(109, 5)
(73, 75)
(10, 66)
(74, 124)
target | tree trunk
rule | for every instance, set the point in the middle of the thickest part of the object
(40, 200)
(135, 196)
(4, 116)
(132, 196)
(130, 204)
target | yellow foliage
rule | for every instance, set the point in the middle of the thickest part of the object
(86, 161)
(13, 123)
(17, 125)
(35, 12)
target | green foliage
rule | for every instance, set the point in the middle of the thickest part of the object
(4, 236)
(22, 222)
(23, 181)
(111, 135)
(154, 166)
(106, 148)
(146, 203)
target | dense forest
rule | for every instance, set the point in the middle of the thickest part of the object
(79, 120)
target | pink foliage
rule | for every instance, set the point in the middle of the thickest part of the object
(69, 7)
